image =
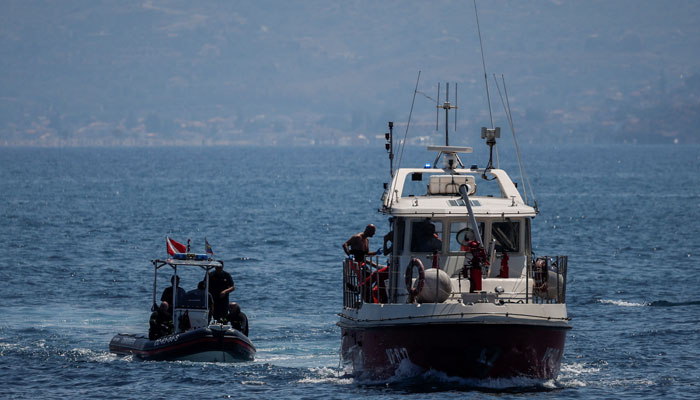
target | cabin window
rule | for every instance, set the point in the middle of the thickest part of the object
(461, 231)
(507, 235)
(425, 236)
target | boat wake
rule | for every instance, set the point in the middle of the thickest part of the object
(658, 303)
(622, 303)
(412, 378)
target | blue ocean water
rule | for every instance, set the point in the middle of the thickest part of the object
(79, 227)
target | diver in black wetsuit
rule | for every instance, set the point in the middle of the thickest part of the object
(168, 293)
(237, 318)
(161, 322)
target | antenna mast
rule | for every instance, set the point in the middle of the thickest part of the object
(389, 136)
(447, 112)
(483, 63)
(437, 112)
(447, 107)
(456, 106)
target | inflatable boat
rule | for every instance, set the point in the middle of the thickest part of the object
(214, 343)
(191, 336)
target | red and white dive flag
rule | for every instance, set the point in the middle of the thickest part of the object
(174, 247)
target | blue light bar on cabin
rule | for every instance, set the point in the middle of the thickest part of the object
(427, 165)
(191, 256)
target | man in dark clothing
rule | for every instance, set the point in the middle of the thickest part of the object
(196, 298)
(237, 318)
(161, 322)
(168, 293)
(220, 285)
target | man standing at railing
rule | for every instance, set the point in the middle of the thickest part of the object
(358, 245)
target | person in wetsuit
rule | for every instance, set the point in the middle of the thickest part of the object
(167, 294)
(161, 322)
(220, 285)
(237, 318)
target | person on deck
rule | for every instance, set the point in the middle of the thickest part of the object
(428, 240)
(237, 318)
(161, 322)
(220, 285)
(358, 245)
(196, 298)
(168, 293)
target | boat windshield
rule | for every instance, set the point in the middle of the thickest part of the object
(425, 236)
(461, 231)
(507, 235)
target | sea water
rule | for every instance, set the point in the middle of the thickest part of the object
(79, 227)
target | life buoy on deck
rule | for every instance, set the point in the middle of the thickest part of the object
(414, 292)
(541, 276)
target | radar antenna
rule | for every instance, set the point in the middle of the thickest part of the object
(447, 107)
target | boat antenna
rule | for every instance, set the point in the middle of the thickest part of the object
(389, 136)
(447, 107)
(437, 111)
(403, 142)
(408, 124)
(456, 106)
(483, 63)
(447, 113)
(509, 114)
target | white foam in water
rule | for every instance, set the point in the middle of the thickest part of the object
(622, 303)
(491, 383)
(326, 375)
(406, 369)
(578, 369)
(253, 383)
(575, 374)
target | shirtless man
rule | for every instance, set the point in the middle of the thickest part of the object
(358, 245)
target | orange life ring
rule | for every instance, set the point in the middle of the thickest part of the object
(414, 292)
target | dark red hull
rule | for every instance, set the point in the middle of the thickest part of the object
(461, 350)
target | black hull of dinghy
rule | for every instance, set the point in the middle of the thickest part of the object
(203, 344)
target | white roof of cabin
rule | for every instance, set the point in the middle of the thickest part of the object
(510, 204)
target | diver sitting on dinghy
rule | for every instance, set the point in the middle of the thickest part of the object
(161, 322)
(236, 318)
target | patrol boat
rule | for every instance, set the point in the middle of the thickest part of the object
(460, 290)
(194, 338)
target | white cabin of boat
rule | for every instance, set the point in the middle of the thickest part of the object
(418, 199)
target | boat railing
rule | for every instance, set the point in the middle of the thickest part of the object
(351, 294)
(549, 275)
(361, 282)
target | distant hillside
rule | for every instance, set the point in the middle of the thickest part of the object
(319, 72)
